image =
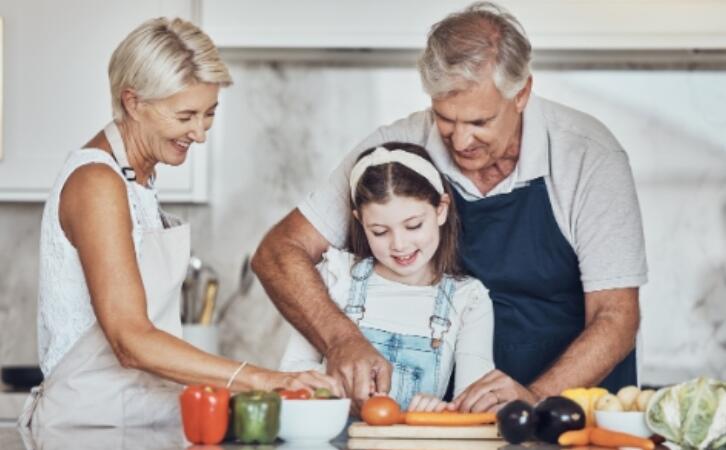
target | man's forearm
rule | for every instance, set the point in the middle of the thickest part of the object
(297, 290)
(607, 339)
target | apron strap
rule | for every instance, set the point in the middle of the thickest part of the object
(29, 407)
(113, 135)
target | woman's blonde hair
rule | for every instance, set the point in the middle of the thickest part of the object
(160, 58)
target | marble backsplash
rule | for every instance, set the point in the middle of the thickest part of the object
(282, 126)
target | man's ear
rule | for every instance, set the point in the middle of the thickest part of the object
(130, 102)
(442, 211)
(522, 97)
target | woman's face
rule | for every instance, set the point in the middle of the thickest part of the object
(170, 125)
(403, 235)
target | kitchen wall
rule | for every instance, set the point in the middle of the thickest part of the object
(282, 126)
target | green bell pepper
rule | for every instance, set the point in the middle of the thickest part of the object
(256, 417)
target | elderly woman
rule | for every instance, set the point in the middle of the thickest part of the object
(112, 262)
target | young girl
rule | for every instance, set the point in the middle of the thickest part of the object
(401, 284)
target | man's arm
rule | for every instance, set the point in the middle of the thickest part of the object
(285, 264)
(612, 318)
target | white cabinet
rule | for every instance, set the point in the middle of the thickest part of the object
(403, 24)
(56, 94)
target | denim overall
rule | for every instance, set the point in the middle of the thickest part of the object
(415, 359)
(512, 244)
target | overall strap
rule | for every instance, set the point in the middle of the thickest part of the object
(360, 273)
(439, 322)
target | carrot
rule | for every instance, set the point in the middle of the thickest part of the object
(607, 438)
(575, 437)
(447, 418)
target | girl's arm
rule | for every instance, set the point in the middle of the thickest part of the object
(474, 351)
(94, 214)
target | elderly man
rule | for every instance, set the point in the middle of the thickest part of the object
(550, 217)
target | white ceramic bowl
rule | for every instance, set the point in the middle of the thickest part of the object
(631, 422)
(310, 421)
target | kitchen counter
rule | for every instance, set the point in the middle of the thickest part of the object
(173, 439)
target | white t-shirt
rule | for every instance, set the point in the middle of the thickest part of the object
(405, 309)
(586, 171)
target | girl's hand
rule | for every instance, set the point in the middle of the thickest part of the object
(309, 379)
(429, 403)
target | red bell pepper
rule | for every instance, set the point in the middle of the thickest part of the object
(205, 414)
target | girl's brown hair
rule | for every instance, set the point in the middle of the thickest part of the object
(379, 183)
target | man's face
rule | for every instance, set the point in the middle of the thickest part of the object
(479, 126)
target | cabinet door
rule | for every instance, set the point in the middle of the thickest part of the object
(403, 24)
(56, 91)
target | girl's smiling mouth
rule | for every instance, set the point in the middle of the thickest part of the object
(406, 260)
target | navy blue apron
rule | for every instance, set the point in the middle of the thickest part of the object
(512, 243)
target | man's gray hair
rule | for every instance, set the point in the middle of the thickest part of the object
(482, 40)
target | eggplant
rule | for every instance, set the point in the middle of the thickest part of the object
(555, 415)
(516, 421)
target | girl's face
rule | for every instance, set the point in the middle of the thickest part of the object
(403, 235)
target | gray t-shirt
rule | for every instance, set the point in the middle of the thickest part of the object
(588, 178)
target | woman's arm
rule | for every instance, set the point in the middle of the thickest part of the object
(95, 216)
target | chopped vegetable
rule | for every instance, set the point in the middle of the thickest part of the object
(298, 394)
(256, 417)
(205, 414)
(322, 393)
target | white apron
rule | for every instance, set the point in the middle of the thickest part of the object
(88, 386)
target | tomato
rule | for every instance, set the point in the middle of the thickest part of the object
(381, 410)
(299, 394)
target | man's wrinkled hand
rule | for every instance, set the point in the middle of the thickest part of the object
(360, 369)
(491, 392)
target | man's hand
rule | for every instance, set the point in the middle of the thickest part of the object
(491, 392)
(359, 368)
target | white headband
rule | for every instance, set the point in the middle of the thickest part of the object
(382, 155)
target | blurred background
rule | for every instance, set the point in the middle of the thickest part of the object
(313, 78)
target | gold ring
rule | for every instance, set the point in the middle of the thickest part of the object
(495, 396)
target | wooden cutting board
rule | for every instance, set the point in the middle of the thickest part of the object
(424, 444)
(362, 430)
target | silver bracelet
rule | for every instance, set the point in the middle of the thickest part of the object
(234, 375)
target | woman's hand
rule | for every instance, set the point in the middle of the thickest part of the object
(429, 403)
(309, 379)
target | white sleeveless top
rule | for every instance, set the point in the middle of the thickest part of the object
(64, 303)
